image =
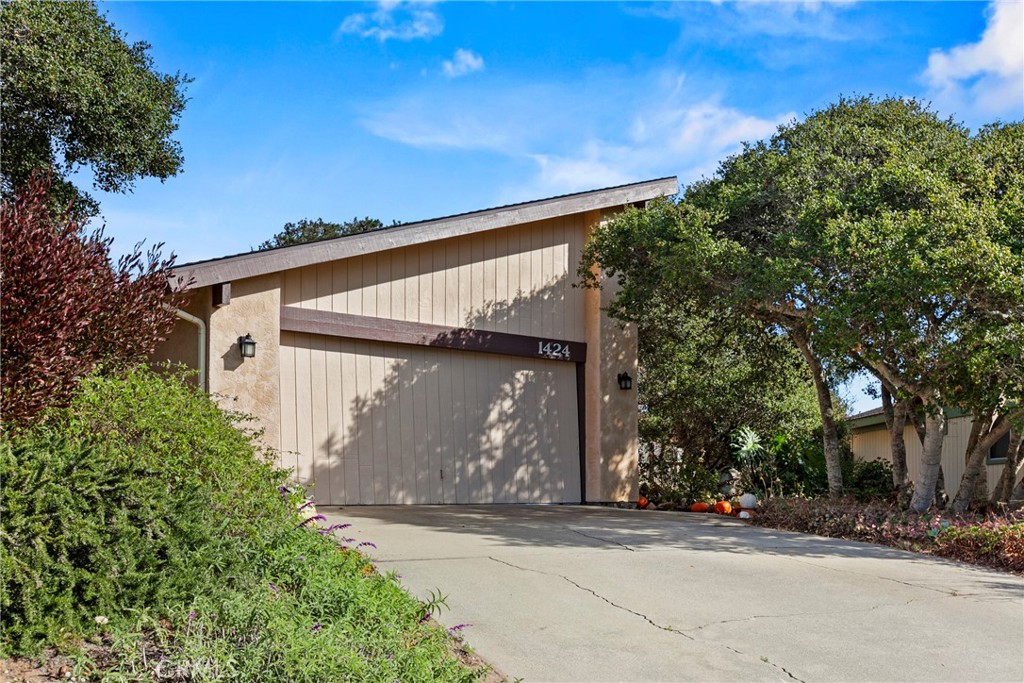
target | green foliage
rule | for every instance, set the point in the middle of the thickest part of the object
(704, 373)
(870, 480)
(140, 493)
(904, 226)
(669, 477)
(310, 231)
(305, 611)
(785, 466)
(144, 504)
(76, 94)
(874, 231)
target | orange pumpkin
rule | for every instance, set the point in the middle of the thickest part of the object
(642, 502)
(723, 507)
(699, 507)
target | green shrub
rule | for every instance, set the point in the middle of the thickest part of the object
(308, 611)
(785, 466)
(145, 504)
(670, 477)
(142, 492)
(870, 480)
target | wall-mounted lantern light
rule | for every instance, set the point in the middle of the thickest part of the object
(248, 346)
(625, 381)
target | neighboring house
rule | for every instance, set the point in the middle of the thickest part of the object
(447, 361)
(869, 440)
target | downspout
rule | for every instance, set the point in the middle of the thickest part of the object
(198, 322)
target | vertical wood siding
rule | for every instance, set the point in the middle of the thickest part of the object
(517, 280)
(376, 423)
(874, 445)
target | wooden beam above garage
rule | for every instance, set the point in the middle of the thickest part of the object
(347, 325)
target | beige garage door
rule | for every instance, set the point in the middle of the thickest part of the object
(374, 423)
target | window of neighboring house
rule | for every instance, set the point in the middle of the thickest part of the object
(997, 454)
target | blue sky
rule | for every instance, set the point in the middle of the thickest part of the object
(407, 111)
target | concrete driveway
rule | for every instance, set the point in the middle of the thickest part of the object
(571, 593)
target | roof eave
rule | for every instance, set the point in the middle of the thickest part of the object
(254, 264)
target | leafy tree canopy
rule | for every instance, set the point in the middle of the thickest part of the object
(76, 95)
(873, 230)
(307, 230)
(704, 373)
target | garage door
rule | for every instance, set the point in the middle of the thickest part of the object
(376, 423)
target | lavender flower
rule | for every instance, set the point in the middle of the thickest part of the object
(367, 543)
(458, 627)
(307, 504)
(319, 518)
(316, 627)
(272, 587)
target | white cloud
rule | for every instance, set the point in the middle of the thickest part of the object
(987, 77)
(395, 20)
(684, 138)
(461, 116)
(733, 21)
(462, 63)
(606, 129)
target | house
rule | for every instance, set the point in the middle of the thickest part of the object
(869, 440)
(447, 361)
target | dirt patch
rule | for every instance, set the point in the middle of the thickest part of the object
(475, 661)
(47, 668)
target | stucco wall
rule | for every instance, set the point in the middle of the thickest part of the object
(250, 385)
(611, 413)
(182, 345)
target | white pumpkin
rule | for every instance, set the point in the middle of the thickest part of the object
(748, 501)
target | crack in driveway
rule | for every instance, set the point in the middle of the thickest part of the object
(646, 618)
(754, 617)
(599, 596)
(598, 538)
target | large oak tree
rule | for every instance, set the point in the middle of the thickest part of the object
(872, 231)
(78, 96)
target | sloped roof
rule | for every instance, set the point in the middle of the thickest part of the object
(867, 413)
(867, 420)
(252, 264)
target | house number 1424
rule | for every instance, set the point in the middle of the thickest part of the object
(552, 349)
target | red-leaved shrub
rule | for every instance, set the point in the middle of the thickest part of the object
(65, 308)
(990, 540)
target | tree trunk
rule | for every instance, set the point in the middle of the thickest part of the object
(984, 434)
(916, 418)
(896, 422)
(830, 436)
(1018, 489)
(979, 496)
(980, 425)
(924, 487)
(1011, 470)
